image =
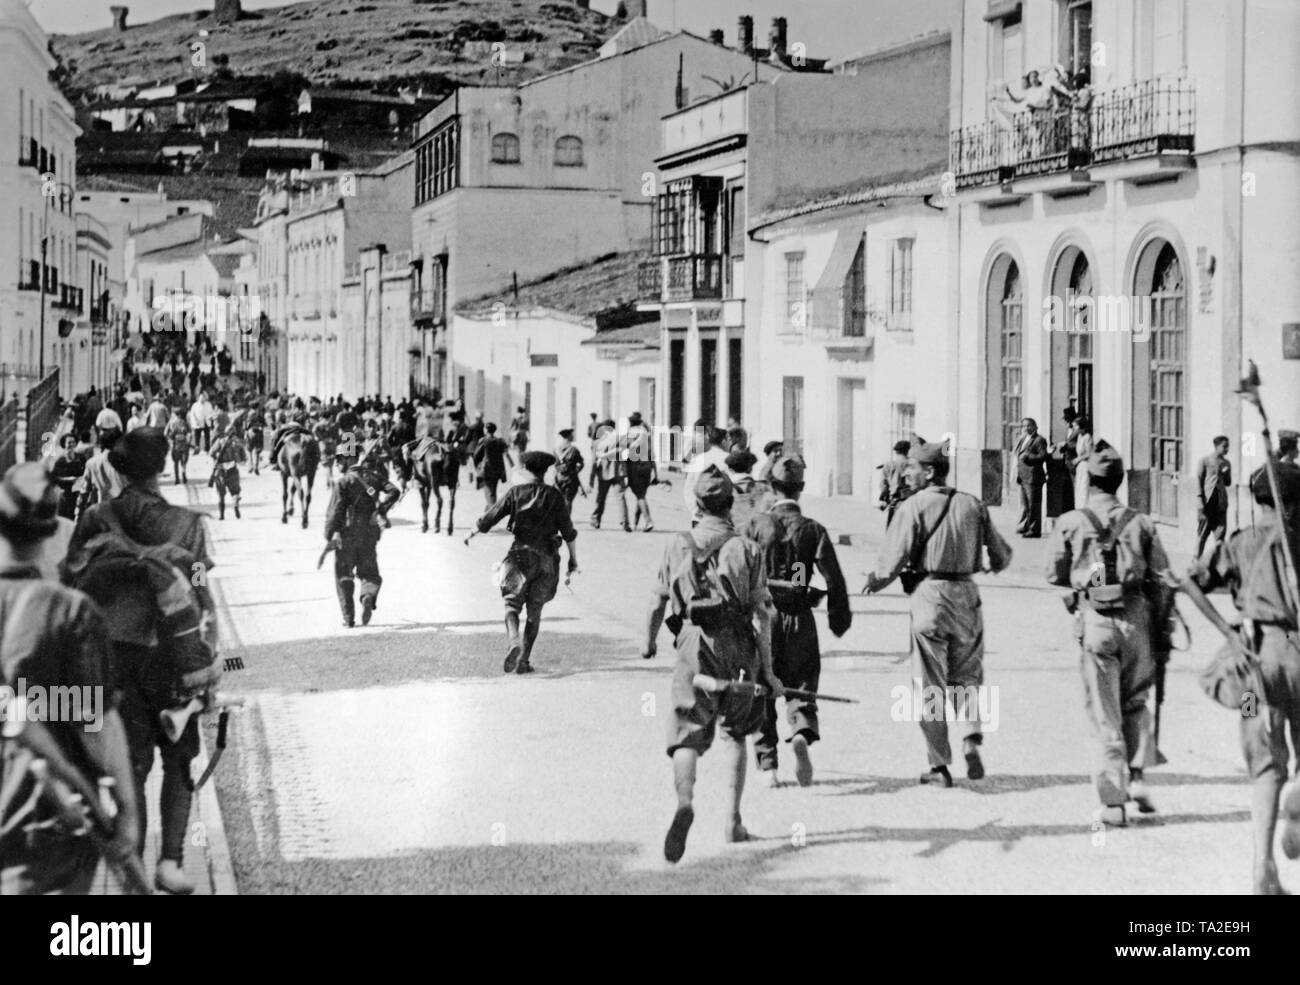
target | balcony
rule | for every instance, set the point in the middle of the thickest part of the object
(693, 277)
(68, 297)
(428, 309)
(1144, 119)
(1150, 120)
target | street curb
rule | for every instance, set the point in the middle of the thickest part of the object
(217, 850)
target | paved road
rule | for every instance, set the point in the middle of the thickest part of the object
(397, 758)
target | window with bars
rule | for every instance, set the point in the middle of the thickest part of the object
(436, 163)
(674, 219)
(902, 423)
(792, 414)
(855, 294)
(505, 149)
(1168, 372)
(900, 285)
(796, 294)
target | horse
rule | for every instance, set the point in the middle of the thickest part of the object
(299, 457)
(439, 466)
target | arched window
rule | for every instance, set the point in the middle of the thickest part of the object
(505, 149)
(1011, 338)
(1168, 367)
(568, 152)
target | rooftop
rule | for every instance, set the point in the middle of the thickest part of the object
(600, 287)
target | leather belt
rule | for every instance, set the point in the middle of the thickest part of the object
(948, 575)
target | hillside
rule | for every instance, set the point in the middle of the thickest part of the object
(380, 43)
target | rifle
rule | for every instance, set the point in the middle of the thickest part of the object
(714, 685)
(86, 808)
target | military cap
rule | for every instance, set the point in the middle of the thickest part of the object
(634, 418)
(1105, 463)
(29, 504)
(567, 433)
(772, 446)
(929, 454)
(537, 462)
(140, 454)
(713, 491)
(1287, 439)
(789, 470)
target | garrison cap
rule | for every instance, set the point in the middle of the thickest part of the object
(929, 454)
(713, 491)
(567, 433)
(140, 454)
(1105, 464)
(537, 462)
(789, 470)
(29, 504)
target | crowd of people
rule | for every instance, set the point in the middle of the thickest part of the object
(736, 589)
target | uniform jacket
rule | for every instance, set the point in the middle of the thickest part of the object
(1073, 555)
(956, 546)
(811, 548)
(538, 512)
(358, 496)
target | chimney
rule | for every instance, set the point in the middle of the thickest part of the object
(716, 36)
(635, 8)
(119, 17)
(778, 38)
(227, 11)
(745, 34)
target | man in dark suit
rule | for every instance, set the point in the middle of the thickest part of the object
(1213, 480)
(1031, 453)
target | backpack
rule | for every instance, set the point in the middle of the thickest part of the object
(1105, 591)
(788, 585)
(148, 600)
(696, 583)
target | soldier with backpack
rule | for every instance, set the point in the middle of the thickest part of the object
(228, 452)
(145, 562)
(713, 584)
(357, 512)
(793, 545)
(936, 542)
(1112, 559)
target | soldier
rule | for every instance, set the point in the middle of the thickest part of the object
(1252, 564)
(611, 474)
(358, 510)
(491, 457)
(941, 535)
(568, 469)
(52, 637)
(530, 573)
(713, 583)
(792, 546)
(227, 454)
(893, 481)
(1288, 446)
(1112, 558)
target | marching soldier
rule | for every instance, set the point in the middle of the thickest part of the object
(792, 546)
(893, 481)
(1112, 558)
(358, 510)
(530, 574)
(941, 535)
(228, 453)
(568, 468)
(714, 586)
(1252, 564)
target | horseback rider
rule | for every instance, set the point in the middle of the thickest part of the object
(358, 511)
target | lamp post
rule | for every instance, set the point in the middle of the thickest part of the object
(65, 192)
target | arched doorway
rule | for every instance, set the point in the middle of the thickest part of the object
(1160, 382)
(1004, 349)
(1072, 343)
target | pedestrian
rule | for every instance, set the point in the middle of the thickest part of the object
(68, 471)
(713, 454)
(893, 481)
(1213, 480)
(255, 432)
(519, 431)
(1083, 446)
(157, 415)
(793, 545)
(138, 627)
(1059, 486)
(1111, 557)
(642, 469)
(942, 535)
(773, 452)
(357, 513)
(138, 418)
(52, 638)
(611, 475)
(228, 453)
(1252, 564)
(530, 572)
(713, 585)
(592, 430)
(201, 423)
(177, 433)
(1030, 454)
(568, 469)
(490, 468)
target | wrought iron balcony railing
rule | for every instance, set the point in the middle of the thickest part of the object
(1050, 141)
(650, 280)
(690, 277)
(1155, 116)
(980, 155)
(428, 308)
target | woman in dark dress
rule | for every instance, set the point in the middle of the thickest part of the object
(1060, 469)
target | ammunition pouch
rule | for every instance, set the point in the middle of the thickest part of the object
(793, 599)
(1106, 598)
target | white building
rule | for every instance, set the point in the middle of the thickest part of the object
(1154, 208)
(564, 347)
(37, 195)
